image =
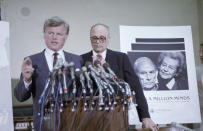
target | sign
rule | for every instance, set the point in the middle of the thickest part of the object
(163, 59)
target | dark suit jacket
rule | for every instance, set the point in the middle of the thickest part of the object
(181, 83)
(41, 73)
(120, 64)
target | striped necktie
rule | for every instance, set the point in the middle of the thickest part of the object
(55, 58)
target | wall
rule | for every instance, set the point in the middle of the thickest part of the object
(200, 14)
(26, 19)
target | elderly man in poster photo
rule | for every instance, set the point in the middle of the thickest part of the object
(120, 64)
(147, 72)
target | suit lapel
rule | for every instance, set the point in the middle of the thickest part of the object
(44, 64)
(68, 58)
(89, 57)
(109, 58)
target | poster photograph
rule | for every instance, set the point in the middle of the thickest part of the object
(163, 60)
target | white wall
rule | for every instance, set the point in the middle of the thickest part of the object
(200, 14)
(26, 31)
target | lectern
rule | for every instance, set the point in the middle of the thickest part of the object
(98, 118)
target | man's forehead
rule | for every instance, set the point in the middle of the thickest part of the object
(145, 65)
(99, 30)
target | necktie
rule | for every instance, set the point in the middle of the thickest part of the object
(56, 76)
(55, 58)
(99, 57)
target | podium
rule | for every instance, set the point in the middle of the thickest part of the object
(115, 119)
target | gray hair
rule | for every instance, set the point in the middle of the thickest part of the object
(54, 22)
(173, 55)
(100, 24)
(143, 60)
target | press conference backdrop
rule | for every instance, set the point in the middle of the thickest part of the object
(165, 106)
(6, 113)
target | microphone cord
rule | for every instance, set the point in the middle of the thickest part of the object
(42, 106)
(57, 103)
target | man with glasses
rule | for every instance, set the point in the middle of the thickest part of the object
(171, 75)
(120, 64)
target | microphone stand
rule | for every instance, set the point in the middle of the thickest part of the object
(89, 86)
(74, 95)
(101, 101)
(65, 90)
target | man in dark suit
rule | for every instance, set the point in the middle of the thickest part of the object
(35, 68)
(120, 64)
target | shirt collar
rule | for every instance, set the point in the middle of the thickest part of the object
(171, 83)
(103, 54)
(51, 52)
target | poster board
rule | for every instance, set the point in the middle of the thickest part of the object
(166, 105)
(6, 112)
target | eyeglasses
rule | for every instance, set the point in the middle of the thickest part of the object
(101, 39)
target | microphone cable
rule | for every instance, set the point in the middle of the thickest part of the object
(42, 106)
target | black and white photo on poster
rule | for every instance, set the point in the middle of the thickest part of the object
(163, 59)
(160, 70)
(160, 63)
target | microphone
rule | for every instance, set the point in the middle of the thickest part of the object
(97, 63)
(84, 69)
(91, 68)
(71, 69)
(89, 86)
(109, 70)
(58, 65)
(176, 125)
(65, 90)
(104, 75)
(88, 80)
(114, 79)
(72, 73)
(60, 81)
(42, 95)
(79, 74)
(98, 83)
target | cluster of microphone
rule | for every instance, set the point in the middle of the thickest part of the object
(94, 84)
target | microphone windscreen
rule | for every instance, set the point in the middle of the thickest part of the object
(84, 69)
(88, 63)
(106, 65)
(71, 64)
(97, 62)
(66, 64)
(78, 72)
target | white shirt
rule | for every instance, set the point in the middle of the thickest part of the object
(170, 84)
(50, 59)
(103, 54)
